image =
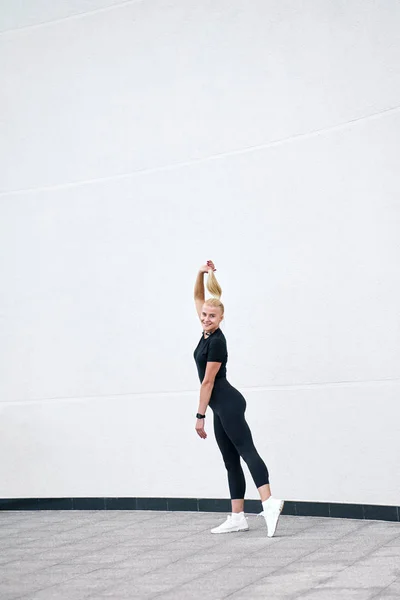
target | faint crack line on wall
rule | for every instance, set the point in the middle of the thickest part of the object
(78, 15)
(245, 389)
(211, 157)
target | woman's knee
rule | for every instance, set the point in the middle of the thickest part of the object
(232, 463)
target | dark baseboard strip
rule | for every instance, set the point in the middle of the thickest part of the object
(304, 509)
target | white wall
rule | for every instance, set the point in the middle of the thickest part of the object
(141, 139)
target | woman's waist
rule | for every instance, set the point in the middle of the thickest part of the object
(221, 382)
(221, 378)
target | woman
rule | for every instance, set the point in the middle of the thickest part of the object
(228, 405)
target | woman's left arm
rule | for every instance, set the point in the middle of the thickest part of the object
(206, 389)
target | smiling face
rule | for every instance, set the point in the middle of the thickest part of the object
(211, 317)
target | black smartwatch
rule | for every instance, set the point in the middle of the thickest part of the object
(199, 416)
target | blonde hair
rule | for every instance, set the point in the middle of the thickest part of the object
(215, 290)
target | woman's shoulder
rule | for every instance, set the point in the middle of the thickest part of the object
(218, 337)
(217, 350)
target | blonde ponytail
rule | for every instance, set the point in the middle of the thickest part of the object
(213, 286)
(215, 290)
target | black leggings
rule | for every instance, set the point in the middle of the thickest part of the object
(234, 438)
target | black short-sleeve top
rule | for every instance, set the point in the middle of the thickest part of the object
(211, 349)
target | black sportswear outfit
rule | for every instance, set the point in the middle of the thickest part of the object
(232, 432)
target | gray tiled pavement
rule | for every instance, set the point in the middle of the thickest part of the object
(74, 555)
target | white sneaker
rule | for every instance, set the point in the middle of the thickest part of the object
(272, 510)
(232, 524)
